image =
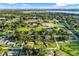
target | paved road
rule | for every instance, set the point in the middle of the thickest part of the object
(56, 46)
(67, 25)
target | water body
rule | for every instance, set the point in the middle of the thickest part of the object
(70, 12)
(54, 11)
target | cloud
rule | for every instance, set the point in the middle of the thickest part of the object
(14, 5)
(38, 5)
(60, 4)
(40, 1)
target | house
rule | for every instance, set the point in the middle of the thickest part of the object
(47, 37)
(32, 24)
(4, 40)
(1, 24)
(10, 43)
(31, 44)
(46, 25)
(1, 41)
(5, 37)
(2, 18)
(49, 29)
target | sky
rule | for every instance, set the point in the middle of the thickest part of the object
(42, 1)
(38, 6)
(27, 5)
(48, 4)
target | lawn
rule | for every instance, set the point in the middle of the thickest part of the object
(72, 48)
(61, 53)
(52, 45)
(23, 29)
(39, 28)
(37, 46)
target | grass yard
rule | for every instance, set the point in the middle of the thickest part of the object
(52, 45)
(39, 28)
(37, 46)
(23, 29)
(72, 48)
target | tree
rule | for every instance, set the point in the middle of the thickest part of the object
(42, 51)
